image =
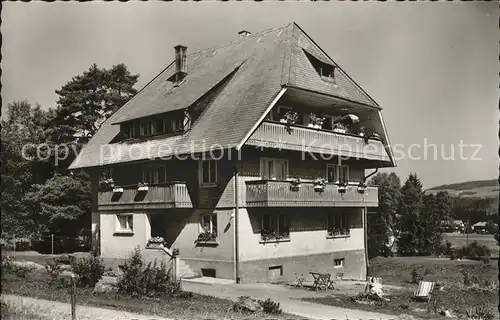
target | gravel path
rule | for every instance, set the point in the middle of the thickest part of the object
(62, 311)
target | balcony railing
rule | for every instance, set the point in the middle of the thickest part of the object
(171, 195)
(262, 193)
(278, 136)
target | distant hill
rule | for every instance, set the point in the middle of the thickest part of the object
(476, 189)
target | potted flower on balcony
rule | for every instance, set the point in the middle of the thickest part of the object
(295, 183)
(155, 242)
(142, 187)
(342, 186)
(289, 117)
(361, 187)
(319, 184)
(339, 127)
(315, 121)
(106, 184)
(117, 189)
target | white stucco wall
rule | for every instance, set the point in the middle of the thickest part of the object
(302, 241)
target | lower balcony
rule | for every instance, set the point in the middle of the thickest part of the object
(264, 193)
(165, 196)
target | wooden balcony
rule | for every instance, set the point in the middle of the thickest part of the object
(262, 193)
(276, 135)
(165, 196)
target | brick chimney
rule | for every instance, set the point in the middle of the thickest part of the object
(243, 34)
(180, 63)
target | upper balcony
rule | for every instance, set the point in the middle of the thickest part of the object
(305, 139)
(265, 193)
(165, 196)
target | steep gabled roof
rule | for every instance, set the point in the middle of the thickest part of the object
(261, 65)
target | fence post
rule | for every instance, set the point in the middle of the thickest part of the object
(73, 297)
(52, 242)
(14, 246)
(175, 257)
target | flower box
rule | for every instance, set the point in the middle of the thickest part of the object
(141, 187)
(319, 185)
(339, 130)
(156, 243)
(362, 188)
(117, 190)
(269, 236)
(342, 186)
(343, 232)
(206, 237)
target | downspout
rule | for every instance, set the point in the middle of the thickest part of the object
(236, 222)
(365, 227)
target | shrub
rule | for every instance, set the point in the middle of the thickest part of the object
(482, 312)
(474, 250)
(150, 280)
(54, 269)
(5, 245)
(446, 248)
(468, 278)
(88, 270)
(23, 244)
(20, 270)
(271, 307)
(416, 275)
(66, 259)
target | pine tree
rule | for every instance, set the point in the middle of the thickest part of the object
(89, 99)
(383, 222)
(410, 208)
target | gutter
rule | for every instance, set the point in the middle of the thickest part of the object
(236, 228)
(365, 227)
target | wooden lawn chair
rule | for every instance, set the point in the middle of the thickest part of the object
(424, 291)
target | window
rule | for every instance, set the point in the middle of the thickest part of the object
(129, 130)
(145, 128)
(336, 173)
(273, 169)
(338, 263)
(177, 124)
(337, 224)
(325, 69)
(209, 225)
(274, 227)
(154, 174)
(124, 223)
(208, 171)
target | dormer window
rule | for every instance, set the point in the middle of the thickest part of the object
(173, 122)
(325, 69)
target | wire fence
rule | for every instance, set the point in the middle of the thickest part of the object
(49, 244)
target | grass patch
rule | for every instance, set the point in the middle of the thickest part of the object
(13, 311)
(480, 287)
(196, 307)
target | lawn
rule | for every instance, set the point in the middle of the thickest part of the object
(481, 290)
(11, 311)
(458, 240)
(37, 284)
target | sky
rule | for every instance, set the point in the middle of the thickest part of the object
(432, 66)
